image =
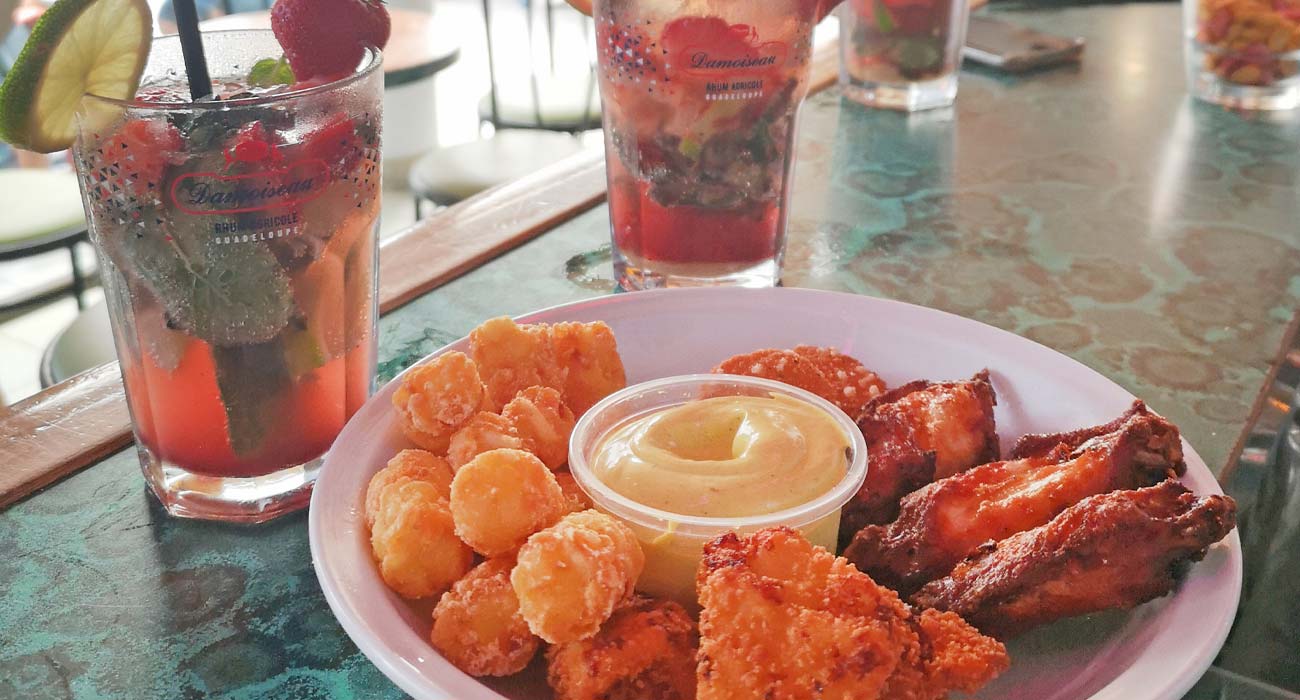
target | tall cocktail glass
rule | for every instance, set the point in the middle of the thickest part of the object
(237, 243)
(700, 102)
(902, 54)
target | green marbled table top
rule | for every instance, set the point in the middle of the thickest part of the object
(1096, 209)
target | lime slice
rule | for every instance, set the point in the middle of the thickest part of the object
(77, 47)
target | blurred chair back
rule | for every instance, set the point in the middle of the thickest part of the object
(543, 73)
(86, 343)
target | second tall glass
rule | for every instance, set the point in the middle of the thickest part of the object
(700, 103)
(902, 54)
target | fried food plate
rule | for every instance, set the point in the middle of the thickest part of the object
(1155, 652)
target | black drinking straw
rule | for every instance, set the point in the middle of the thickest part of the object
(196, 64)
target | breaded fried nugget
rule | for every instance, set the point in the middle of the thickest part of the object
(501, 497)
(625, 542)
(484, 432)
(436, 398)
(572, 575)
(414, 541)
(852, 384)
(589, 353)
(477, 624)
(512, 358)
(407, 465)
(952, 655)
(542, 421)
(574, 497)
(645, 651)
(784, 366)
(784, 620)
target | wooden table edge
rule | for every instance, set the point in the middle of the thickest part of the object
(1290, 341)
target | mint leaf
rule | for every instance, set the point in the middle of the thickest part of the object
(236, 295)
(270, 72)
(224, 294)
(884, 22)
(251, 379)
(690, 148)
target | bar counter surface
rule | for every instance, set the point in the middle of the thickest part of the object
(1096, 209)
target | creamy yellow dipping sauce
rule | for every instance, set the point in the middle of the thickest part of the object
(725, 457)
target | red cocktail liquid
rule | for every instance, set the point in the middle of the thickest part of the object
(645, 229)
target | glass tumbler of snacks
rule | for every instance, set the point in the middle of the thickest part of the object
(700, 103)
(902, 54)
(1243, 53)
(237, 242)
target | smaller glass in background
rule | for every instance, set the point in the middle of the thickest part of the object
(902, 54)
(1244, 53)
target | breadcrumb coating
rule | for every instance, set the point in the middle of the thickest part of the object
(589, 354)
(501, 497)
(542, 421)
(477, 625)
(407, 465)
(572, 575)
(784, 620)
(645, 651)
(436, 398)
(414, 541)
(484, 432)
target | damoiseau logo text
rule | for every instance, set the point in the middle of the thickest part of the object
(217, 193)
(204, 194)
(701, 59)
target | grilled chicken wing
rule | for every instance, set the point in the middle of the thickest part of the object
(940, 524)
(915, 434)
(1114, 550)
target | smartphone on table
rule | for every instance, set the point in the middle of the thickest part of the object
(1015, 49)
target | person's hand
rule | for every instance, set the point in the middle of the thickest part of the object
(27, 12)
(583, 6)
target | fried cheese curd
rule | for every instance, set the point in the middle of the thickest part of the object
(782, 619)
(501, 497)
(574, 497)
(477, 625)
(589, 354)
(570, 576)
(825, 372)
(542, 421)
(484, 432)
(414, 541)
(436, 398)
(405, 466)
(645, 651)
(511, 358)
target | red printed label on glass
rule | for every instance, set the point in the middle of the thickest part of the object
(211, 193)
(706, 60)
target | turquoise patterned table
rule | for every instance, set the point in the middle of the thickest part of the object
(1095, 209)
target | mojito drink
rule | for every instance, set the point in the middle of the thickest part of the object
(237, 237)
(700, 103)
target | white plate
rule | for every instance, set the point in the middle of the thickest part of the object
(1156, 652)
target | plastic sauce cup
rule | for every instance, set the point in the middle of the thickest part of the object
(673, 542)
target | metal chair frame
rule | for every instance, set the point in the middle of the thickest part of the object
(539, 122)
(66, 238)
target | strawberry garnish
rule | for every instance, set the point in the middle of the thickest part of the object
(253, 145)
(711, 33)
(337, 143)
(328, 38)
(139, 152)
